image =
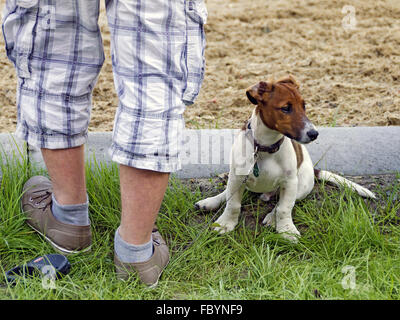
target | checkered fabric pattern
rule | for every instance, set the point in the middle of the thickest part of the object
(157, 51)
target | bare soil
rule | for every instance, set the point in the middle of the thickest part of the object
(349, 77)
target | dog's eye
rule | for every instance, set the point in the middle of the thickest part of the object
(287, 108)
(304, 105)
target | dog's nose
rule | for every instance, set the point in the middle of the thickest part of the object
(312, 134)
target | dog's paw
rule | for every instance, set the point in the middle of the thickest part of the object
(223, 226)
(202, 205)
(269, 219)
(293, 238)
(211, 203)
(289, 232)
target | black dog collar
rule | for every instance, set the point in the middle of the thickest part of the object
(261, 148)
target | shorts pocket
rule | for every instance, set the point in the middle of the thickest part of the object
(196, 17)
(19, 28)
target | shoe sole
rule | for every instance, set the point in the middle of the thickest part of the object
(53, 244)
(58, 247)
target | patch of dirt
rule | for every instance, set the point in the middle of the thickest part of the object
(348, 77)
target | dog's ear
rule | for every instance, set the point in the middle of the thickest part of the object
(290, 80)
(255, 92)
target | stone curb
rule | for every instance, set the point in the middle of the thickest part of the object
(346, 150)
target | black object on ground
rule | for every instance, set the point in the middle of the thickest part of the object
(53, 265)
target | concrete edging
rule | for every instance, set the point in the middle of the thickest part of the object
(346, 150)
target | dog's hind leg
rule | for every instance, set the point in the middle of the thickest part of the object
(211, 203)
(269, 219)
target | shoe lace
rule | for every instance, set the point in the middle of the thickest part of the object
(42, 196)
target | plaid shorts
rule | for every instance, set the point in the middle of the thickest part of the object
(157, 52)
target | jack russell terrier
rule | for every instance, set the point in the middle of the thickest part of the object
(268, 155)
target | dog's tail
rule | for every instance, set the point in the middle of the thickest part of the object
(340, 181)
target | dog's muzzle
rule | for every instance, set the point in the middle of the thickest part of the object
(312, 134)
(308, 134)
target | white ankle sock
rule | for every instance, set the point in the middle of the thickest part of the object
(129, 253)
(76, 214)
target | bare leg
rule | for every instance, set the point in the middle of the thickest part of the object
(66, 168)
(142, 192)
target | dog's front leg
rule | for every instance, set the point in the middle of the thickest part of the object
(234, 192)
(283, 211)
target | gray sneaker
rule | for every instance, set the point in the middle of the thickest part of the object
(36, 204)
(148, 271)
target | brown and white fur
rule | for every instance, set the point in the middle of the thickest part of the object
(279, 112)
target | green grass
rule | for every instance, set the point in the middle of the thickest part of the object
(338, 229)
